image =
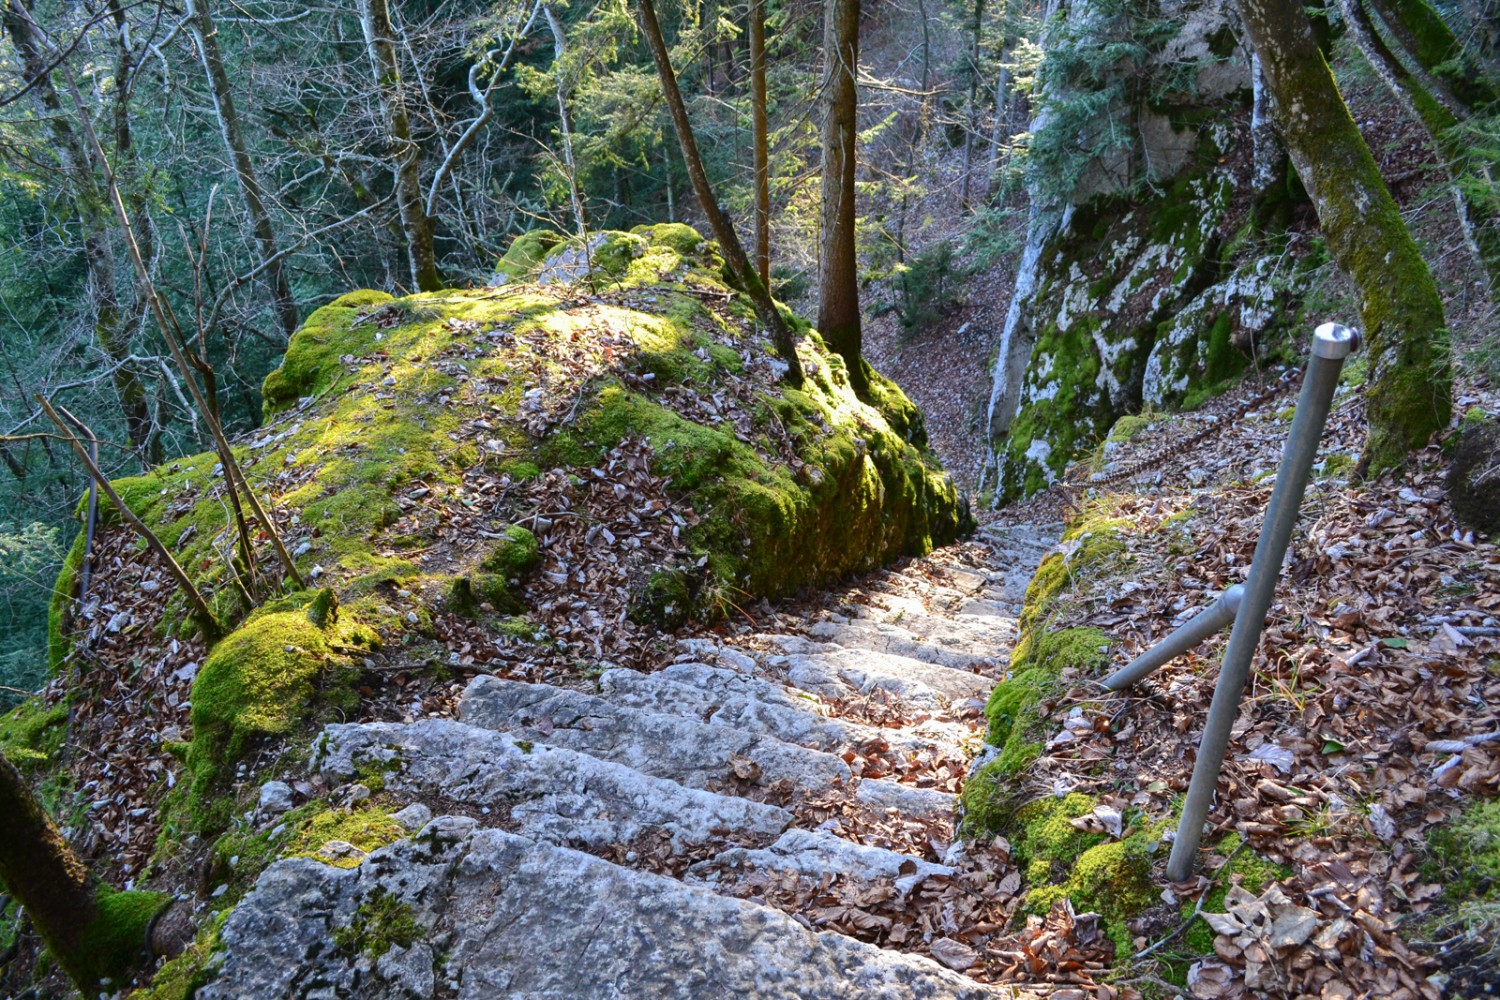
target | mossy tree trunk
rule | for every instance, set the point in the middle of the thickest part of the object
(1409, 393)
(1479, 225)
(416, 224)
(838, 292)
(729, 243)
(95, 934)
(206, 34)
(1425, 36)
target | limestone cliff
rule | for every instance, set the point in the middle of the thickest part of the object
(1153, 270)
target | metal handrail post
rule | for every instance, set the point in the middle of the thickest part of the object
(1331, 344)
(1202, 625)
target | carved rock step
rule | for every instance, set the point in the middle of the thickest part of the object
(684, 750)
(723, 697)
(499, 917)
(831, 670)
(872, 699)
(816, 853)
(544, 792)
(942, 646)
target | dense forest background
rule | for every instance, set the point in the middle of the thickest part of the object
(271, 156)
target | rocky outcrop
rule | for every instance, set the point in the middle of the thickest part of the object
(1143, 280)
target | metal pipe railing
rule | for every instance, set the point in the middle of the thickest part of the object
(1331, 344)
(1202, 625)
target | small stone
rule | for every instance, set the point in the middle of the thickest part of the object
(338, 850)
(413, 817)
(275, 798)
(358, 793)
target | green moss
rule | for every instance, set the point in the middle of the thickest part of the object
(1246, 869)
(259, 682)
(32, 734)
(367, 829)
(312, 357)
(59, 643)
(1091, 548)
(1126, 428)
(381, 923)
(1113, 880)
(527, 252)
(114, 942)
(515, 555)
(680, 238)
(1464, 855)
(180, 978)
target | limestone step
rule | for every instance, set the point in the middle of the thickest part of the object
(876, 697)
(959, 646)
(684, 750)
(497, 916)
(864, 669)
(543, 792)
(816, 854)
(723, 697)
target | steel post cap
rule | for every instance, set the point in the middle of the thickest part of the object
(1335, 341)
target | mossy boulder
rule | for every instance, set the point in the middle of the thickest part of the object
(395, 427)
(261, 681)
(525, 254)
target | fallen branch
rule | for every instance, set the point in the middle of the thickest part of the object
(203, 616)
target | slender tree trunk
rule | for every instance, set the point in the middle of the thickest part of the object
(565, 120)
(1480, 227)
(918, 137)
(1409, 393)
(206, 33)
(971, 129)
(838, 293)
(110, 328)
(415, 222)
(762, 140)
(729, 243)
(94, 933)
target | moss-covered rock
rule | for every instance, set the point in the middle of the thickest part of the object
(525, 254)
(390, 420)
(262, 681)
(114, 941)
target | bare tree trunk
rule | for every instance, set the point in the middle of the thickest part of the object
(729, 243)
(838, 293)
(971, 128)
(109, 325)
(565, 120)
(95, 934)
(760, 129)
(200, 22)
(375, 17)
(1409, 393)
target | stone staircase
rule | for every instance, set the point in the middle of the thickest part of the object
(612, 844)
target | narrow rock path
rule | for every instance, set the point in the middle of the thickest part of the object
(769, 818)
